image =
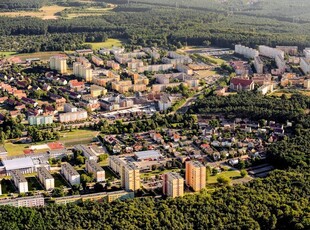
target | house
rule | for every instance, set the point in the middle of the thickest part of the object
(240, 84)
(76, 85)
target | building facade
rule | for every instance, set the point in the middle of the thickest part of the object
(195, 175)
(40, 120)
(71, 175)
(173, 185)
(19, 181)
(93, 167)
(46, 178)
(59, 63)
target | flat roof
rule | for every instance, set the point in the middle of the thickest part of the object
(148, 154)
(18, 163)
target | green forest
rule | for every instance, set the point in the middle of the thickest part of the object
(152, 25)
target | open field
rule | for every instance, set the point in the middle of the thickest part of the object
(91, 11)
(15, 149)
(7, 54)
(229, 174)
(279, 93)
(75, 135)
(45, 13)
(107, 44)
(44, 56)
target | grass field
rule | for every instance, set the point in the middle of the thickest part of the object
(7, 54)
(41, 55)
(15, 149)
(107, 44)
(229, 174)
(59, 180)
(34, 184)
(91, 11)
(279, 93)
(46, 12)
(76, 135)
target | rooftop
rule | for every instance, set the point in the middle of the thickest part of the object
(18, 163)
(150, 154)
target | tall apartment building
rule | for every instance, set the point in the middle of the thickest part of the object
(59, 63)
(71, 175)
(195, 175)
(93, 167)
(40, 120)
(173, 184)
(46, 178)
(307, 53)
(270, 52)
(131, 177)
(19, 181)
(246, 51)
(259, 65)
(83, 71)
(29, 201)
(281, 63)
(305, 65)
(88, 153)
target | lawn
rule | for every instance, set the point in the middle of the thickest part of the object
(33, 184)
(59, 180)
(229, 174)
(15, 149)
(45, 13)
(108, 173)
(7, 186)
(107, 44)
(77, 137)
(7, 54)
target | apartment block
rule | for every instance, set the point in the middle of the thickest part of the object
(259, 65)
(246, 51)
(83, 71)
(97, 91)
(46, 178)
(71, 175)
(93, 167)
(97, 60)
(19, 181)
(270, 52)
(307, 83)
(281, 63)
(59, 63)
(305, 65)
(87, 152)
(155, 68)
(79, 115)
(307, 53)
(131, 177)
(173, 185)
(40, 120)
(195, 175)
(291, 50)
(29, 201)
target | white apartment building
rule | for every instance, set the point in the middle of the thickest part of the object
(155, 68)
(29, 201)
(71, 175)
(69, 108)
(40, 120)
(19, 181)
(59, 63)
(46, 179)
(80, 115)
(259, 65)
(307, 53)
(281, 63)
(93, 167)
(305, 65)
(270, 52)
(246, 51)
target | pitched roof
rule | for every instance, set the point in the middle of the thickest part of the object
(241, 81)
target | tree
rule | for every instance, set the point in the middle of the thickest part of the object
(223, 180)
(243, 173)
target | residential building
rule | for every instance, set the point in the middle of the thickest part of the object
(40, 120)
(184, 69)
(195, 175)
(173, 184)
(291, 50)
(71, 175)
(59, 63)
(262, 79)
(93, 167)
(165, 102)
(46, 179)
(97, 91)
(84, 52)
(73, 116)
(246, 51)
(281, 63)
(155, 68)
(76, 85)
(270, 52)
(240, 84)
(307, 53)
(264, 89)
(97, 60)
(19, 181)
(131, 177)
(69, 108)
(305, 65)
(29, 201)
(83, 71)
(259, 65)
(307, 84)
(88, 153)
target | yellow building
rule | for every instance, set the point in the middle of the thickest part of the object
(59, 63)
(81, 70)
(97, 91)
(195, 175)
(131, 177)
(307, 83)
(173, 184)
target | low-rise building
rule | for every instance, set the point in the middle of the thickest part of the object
(79, 115)
(88, 153)
(93, 167)
(246, 51)
(71, 175)
(97, 60)
(46, 179)
(29, 201)
(240, 84)
(97, 91)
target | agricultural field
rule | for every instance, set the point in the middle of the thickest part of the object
(107, 44)
(92, 11)
(45, 13)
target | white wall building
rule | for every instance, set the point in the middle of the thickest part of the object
(93, 167)
(307, 53)
(305, 65)
(40, 120)
(259, 65)
(46, 178)
(270, 52)
(246, 51)
(71, 175)
(19, 181)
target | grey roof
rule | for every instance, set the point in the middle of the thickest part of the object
(18, 163)
(148, 154)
